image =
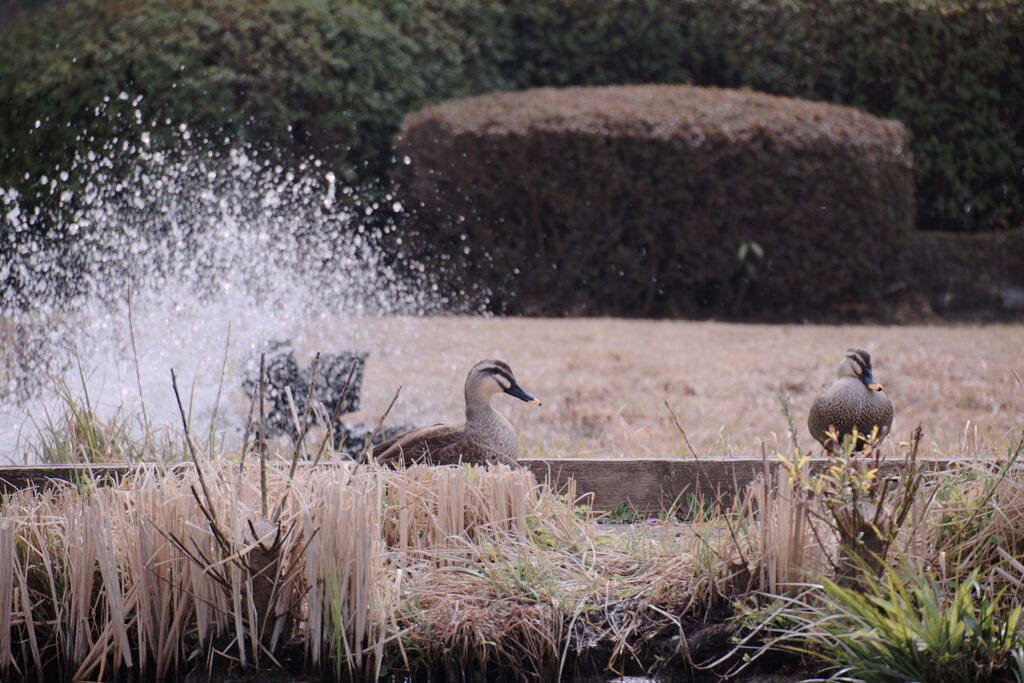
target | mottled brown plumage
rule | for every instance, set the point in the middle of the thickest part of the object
(852, 400)
(485, 437)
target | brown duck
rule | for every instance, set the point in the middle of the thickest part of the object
(485, 437)
(852, 400)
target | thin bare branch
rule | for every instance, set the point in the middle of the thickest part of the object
(135, 355)
(208, 509)
(700, 466)
(369, 444)
(334, 417)
(262, 441)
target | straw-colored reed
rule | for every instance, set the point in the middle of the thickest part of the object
(353, 570)
(165, 573)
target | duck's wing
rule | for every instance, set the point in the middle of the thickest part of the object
(885, 415)
(847, 405)
(877, 411)
(416, 445)
(817, 417)
(474, 452)
(839, 404)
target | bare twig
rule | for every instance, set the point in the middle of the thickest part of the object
(262, 440)
(198, 561)
(304, 426)
(290, 398)
(208, 510)
(700, 466)
(275, 544)
(369, 444)
(135, 355)
(334, 417)
(214, 526)
(220, 384)
(913, 483)
(301, 431)
(247, 433)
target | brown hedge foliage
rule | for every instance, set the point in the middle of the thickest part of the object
(638, 200)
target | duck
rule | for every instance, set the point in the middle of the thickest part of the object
(486, 437)
(853, 400)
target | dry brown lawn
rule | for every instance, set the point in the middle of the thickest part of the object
(604, 382)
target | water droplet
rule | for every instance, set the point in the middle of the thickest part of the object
(203, 237)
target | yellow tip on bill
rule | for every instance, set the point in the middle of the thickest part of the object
(876, 387)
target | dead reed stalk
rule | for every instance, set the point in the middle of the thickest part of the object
(139, 577)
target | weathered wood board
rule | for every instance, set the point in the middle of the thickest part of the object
(25, 476)
(650, 486)
(647, 486)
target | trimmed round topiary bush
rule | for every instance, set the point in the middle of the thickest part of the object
(654, 200)
(952, 71)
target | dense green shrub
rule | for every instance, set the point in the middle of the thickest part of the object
(951, 70)
(329, 77)
(84, 88)
(642, 200)
(334, 77)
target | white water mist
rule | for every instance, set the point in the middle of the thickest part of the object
(187, 256)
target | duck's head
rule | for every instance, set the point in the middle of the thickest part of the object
(856, 363)
(489, 377)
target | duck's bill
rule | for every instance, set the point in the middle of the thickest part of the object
(875, 386)
(517, 391)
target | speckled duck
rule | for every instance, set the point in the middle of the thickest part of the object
(853, 399)
(485, 437)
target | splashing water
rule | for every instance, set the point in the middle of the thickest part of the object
(191, 259)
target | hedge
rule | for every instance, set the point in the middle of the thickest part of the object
(335, 77)
(653, 200)
(323, 78)
(951, 70)
(327, 77)
(958, 275)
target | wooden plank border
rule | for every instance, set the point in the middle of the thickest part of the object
(26, 476)
(646, 485)
(650, 486)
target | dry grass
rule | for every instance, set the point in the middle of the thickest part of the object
(604, 381)
(456, 567)
(448, 566)
(369, 568)
(831, 592)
